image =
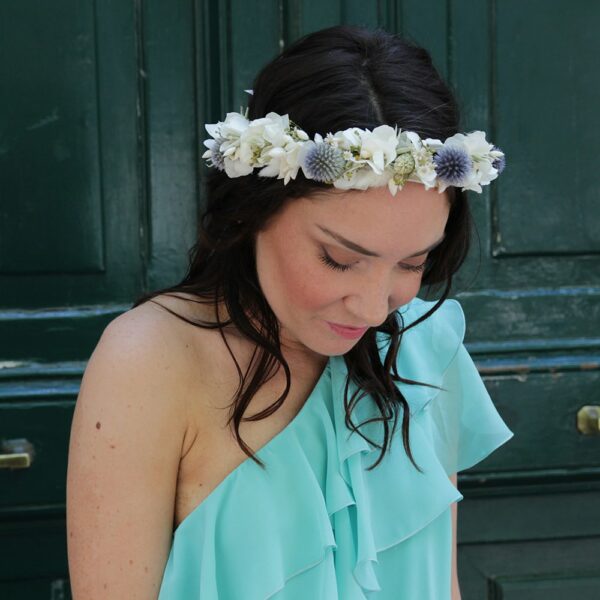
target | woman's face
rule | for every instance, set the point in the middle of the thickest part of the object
(296, 256)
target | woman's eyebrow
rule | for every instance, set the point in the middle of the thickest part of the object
(357, 248)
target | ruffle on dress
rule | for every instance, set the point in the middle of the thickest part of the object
(316, 523)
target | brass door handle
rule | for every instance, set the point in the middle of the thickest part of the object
(16, 454)
(588, 419)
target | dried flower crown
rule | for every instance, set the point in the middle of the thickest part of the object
(353, 158)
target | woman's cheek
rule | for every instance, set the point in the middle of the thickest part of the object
(406, 291)
(311, 289)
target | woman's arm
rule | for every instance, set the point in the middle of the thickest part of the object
(453, 508)
(124, 453)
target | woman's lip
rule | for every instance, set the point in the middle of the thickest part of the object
(348, 326)
(350, 333)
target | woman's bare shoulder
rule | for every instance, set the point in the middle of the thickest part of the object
(161, 324)
(127, 434)
(200, 355)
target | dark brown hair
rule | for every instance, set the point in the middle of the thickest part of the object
(328, 80)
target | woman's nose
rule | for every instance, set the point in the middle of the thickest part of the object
(370, 306)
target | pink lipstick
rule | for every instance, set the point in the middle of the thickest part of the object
(350, 333)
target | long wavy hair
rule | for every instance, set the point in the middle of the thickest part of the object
(328, 80)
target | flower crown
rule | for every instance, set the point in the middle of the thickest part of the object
(353, 158)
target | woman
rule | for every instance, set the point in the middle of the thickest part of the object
(298, 314)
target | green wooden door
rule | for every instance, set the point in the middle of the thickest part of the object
(73, 251)
(102, 106)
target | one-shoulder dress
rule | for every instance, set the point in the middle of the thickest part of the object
(315, 524)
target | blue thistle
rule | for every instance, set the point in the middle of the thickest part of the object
(216, 158)
(452, 164)
(499, 163)
(324, 163)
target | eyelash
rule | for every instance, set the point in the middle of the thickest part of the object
(326, 259)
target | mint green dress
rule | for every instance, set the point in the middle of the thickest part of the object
(316, 524)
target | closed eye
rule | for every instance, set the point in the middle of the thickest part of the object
(327, 260)
(416, 268)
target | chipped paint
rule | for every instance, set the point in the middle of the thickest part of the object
(51, 118)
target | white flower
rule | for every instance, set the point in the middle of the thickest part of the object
(407, 141)
(482, 154)
(272, 129)
(261, 135)
(378, 147)
(482, 174)
(229, 132)
(283, 162)
(424, 168)
(227, 136)
(433, 144)
(413, 138)
(361, 179)
(210, 144)
(233, 126)
(494, 154)
(302, 134)
(236, 168)
(476, 144)
(345, 139)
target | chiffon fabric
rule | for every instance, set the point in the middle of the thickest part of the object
(316, 523)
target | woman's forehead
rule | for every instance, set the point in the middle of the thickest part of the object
(377, 209)
(394, 228)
